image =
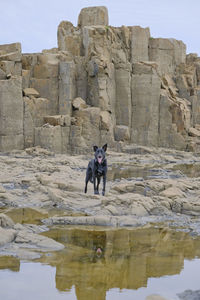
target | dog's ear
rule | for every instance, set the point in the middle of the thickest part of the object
(95, 148)
(104, 147)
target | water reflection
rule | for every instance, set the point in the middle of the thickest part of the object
(128, 259)
(28, 215)
(143, 173)
(10, 263)
(190, 170)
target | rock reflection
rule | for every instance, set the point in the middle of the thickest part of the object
(10, 263)
(189, 170)
(128, 258)
(141, 173)
(26, 215)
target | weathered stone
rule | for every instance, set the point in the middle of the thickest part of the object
(168, 130)
(179, 51)
(172, 192)
(81, 78)
(162, 52)
(61, 120)
(194, 132)
(123, 97)
(106, 121)
(14, 56)
(93, 16)
(46, 67)
(2, 75)
(197, 64)
(195, 102)
(10, 142)
(10, 52)
(8, 48)
(11, 105)
(87, 126)
(47, 88)
(139, 44)
(31, 92)
(5, 221)
(34, 111)
(49, 137)
(54, 138)
(145, 108)
(8, 67)
(66, 87)
(65, 28)
(6, 236)
(69, 38)
(25, 78)
(95, 41)
(183, 89)
(78, 103)
(92, 68)
(29, 61)
(145, 67)
(122, 133)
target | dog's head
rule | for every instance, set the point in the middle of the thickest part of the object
(100, 153)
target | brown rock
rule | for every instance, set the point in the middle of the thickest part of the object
(5, 221)
(6, 236)
(11, 106)
(139, 44)
(93, 16)
(78, 103)
(31, 92)
(61, 120)
(194, 132)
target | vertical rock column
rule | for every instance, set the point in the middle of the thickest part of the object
(67, 89)
(145, 104)
(139, 44)
(11, 102)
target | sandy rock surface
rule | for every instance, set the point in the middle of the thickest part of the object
(156, 182)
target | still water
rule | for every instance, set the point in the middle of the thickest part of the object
(132, 264)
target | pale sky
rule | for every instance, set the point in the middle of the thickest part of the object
(34, 23)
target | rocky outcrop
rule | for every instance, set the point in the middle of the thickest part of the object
(132, 88)
(148, 182)
(23, 241)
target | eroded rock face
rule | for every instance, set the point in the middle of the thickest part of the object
(132, 88)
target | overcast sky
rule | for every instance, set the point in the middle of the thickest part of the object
(34, 22)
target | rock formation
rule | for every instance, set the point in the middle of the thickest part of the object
(102, 84)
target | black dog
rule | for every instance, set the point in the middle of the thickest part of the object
(97, 167)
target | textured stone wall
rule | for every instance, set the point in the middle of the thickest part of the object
(102, 84)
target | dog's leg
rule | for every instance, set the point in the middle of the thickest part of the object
(86, 183)
(104, 184)
(87, 178)
(95, 188)
(98, 182)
